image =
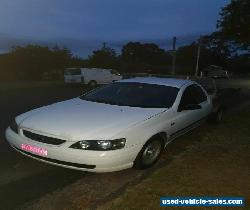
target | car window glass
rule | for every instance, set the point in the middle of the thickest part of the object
(192, 95)
(73, 71)
(199, 94)
(187, 97)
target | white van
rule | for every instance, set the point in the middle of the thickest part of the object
(90, 76)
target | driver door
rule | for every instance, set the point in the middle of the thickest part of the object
(189, 113)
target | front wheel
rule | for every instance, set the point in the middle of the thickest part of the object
(149, 154)
(219, 115)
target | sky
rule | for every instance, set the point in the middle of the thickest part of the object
(85, 24)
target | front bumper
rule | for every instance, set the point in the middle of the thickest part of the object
(85, 160)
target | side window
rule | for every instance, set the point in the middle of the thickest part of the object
(199, 94)
(193, 94)
(187, 98)
(74, 72)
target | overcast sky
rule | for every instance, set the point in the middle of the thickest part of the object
(107, 20)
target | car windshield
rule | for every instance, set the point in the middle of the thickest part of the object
(134, 94)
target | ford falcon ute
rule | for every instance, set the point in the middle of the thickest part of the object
(124, 124)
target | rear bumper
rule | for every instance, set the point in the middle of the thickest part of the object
(85, 160)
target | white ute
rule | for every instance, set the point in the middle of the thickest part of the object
(124, 124)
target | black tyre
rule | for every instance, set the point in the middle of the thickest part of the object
(149, 154)
(92, 84)
(219, 115)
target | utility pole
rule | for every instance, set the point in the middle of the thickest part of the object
(198, 57)
(174, 55)
(104, 45)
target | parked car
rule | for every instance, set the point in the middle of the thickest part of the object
(121, 125)
(90, 76)
(215, 72)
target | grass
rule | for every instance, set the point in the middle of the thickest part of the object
(233, 83)
(216, 163)
(241, 83)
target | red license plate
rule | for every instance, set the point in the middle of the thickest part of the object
(34, 149)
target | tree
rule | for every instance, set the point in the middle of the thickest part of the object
(187, 55)
(104, 58)
(240, 64)
(140, 57)
(32, 62)
(218, 45)
(62, 57)
(234, 23)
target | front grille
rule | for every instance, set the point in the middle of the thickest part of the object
(43, 139)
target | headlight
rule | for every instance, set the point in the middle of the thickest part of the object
(14, 126)
(99, 145)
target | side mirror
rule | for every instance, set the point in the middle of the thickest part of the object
(191, 107)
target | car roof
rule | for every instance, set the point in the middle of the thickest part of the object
(173, 82)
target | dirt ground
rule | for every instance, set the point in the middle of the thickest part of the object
(214, 163)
